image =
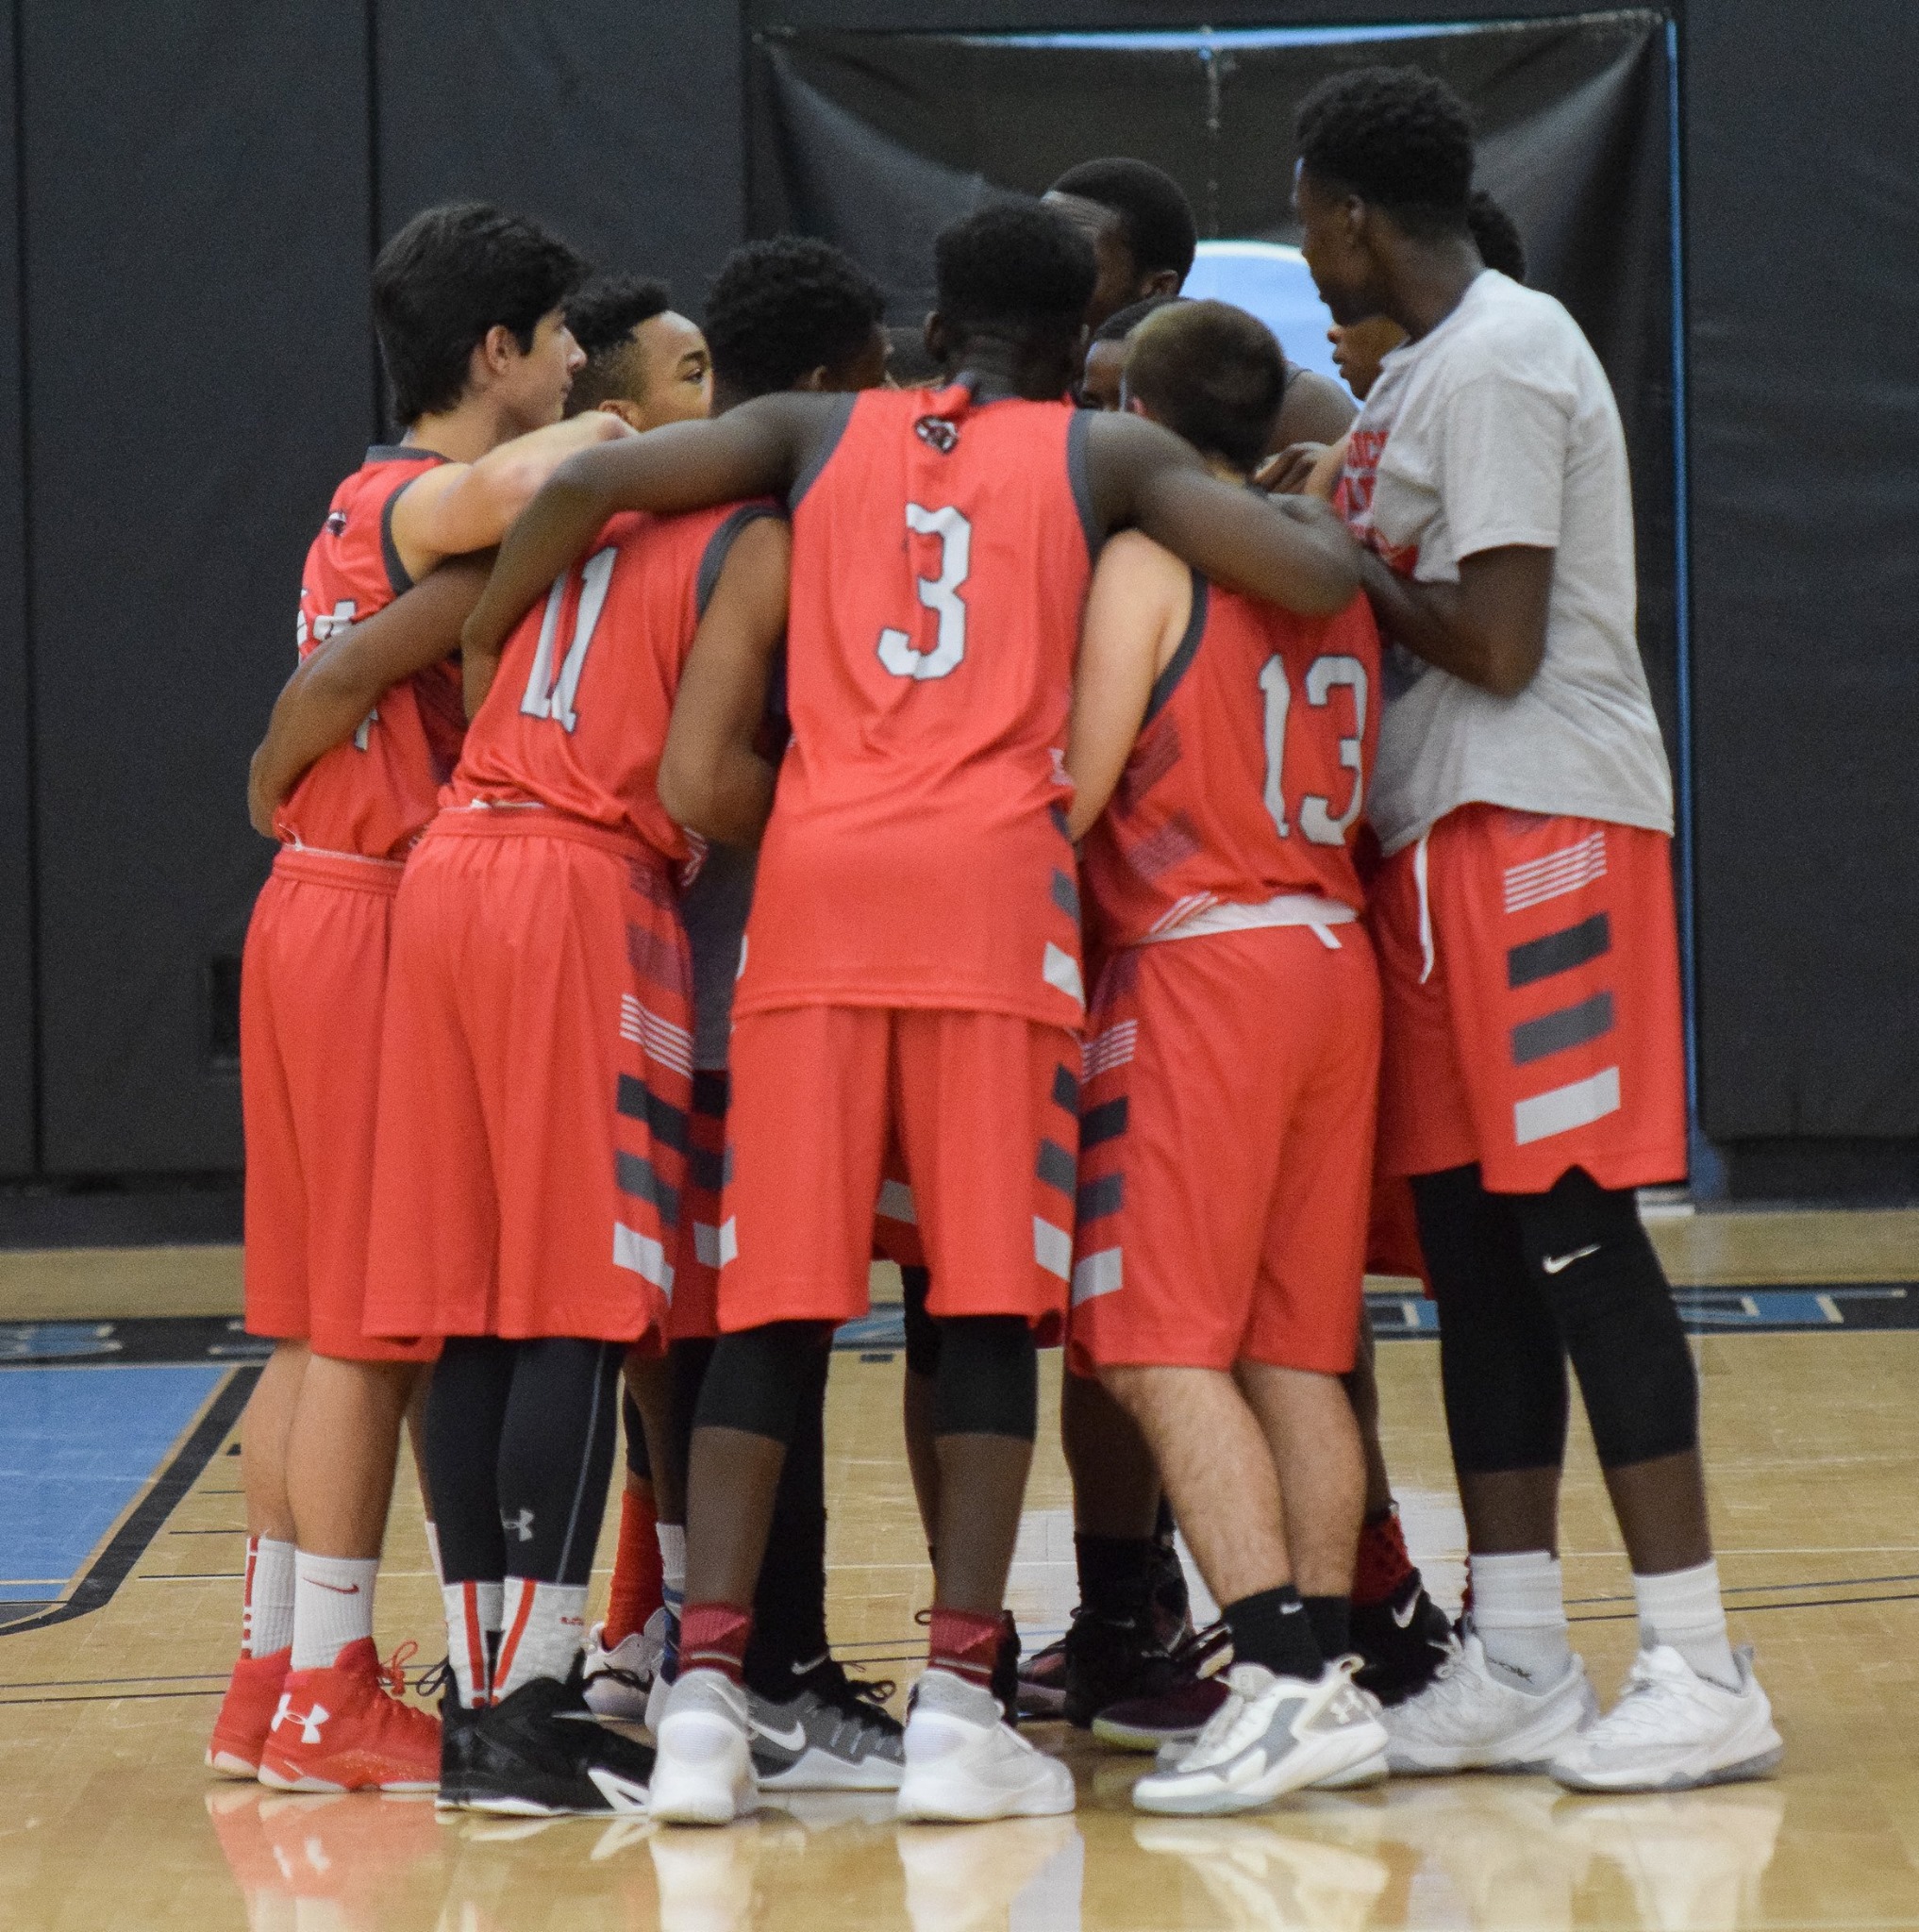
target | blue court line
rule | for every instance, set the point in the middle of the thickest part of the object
(1176, 40)
(77, 1446)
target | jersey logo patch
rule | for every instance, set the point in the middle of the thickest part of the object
(938, 433)
(336, 523)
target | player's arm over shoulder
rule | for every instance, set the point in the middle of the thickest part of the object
(1287, 550)
(1137, 610)
(711, 778)
(454, 508)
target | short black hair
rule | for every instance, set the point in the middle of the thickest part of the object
(1211, 374)
(1152, 207)
(1123, 321)
(603, 316)
(1013, 267)
(1496, 236)
(1394, 137)
(448, 277)
(781, 307)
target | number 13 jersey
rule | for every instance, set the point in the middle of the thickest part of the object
(1248, 779)
(917, 853)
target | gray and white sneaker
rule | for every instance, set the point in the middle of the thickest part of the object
(1471, 1718)
(618, 1681)
(702, 1771)
(1273, 1734)
(964, 1764)
(832, 1734)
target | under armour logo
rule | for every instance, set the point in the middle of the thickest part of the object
(309, 1723)
(937, 433)
(520, 1526)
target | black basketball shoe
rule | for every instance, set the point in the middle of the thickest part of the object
(1403, 1641)
(1111, 1660)
(542, 1754)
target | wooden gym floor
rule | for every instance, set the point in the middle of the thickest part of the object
(120, 1544)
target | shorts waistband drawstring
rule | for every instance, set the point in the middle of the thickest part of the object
(1423, 887)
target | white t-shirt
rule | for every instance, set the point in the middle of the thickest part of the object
(1496, 428)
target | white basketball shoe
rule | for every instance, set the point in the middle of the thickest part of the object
(964, 1763)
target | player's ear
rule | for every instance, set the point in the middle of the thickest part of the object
(497, 352)
(937, 336)
(1163, 281)
(815, 379)
(628, 413)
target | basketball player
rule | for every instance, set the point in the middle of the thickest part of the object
(1219, 1299)
(1531, 1074)
(791, 313)
(942, 996)
(467, 305)
(645, 362)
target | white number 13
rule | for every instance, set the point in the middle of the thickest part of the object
(1322, 676)
(940, 594)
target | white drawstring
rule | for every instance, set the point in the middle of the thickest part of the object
(1419, 880)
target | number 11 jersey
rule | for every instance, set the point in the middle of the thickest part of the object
(917, 853)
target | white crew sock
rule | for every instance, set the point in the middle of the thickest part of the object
(671, 1565)
(433, 1551)
(266, 1615)
(332, 1605)
(1682, 1609)
(473, 1631)
(1519, 1610)
(544, 1631)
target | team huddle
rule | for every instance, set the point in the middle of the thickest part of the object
(1066, 807)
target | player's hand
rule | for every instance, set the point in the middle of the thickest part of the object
(1286, 474)
(261, 803)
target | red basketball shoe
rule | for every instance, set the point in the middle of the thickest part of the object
(337, 1729)
(239, 1732)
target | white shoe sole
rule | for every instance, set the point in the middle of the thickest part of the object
(1755, 1751)
(1529, 1750)
(1372, 1770)
(1324, 1756)
(820, 1771)
(226, 1765)
(717, 1787)
(930, 1800)
(619, 1701)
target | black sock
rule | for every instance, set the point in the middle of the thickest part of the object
(1271, 1628)
(1115, 1575)
(1331, 1618)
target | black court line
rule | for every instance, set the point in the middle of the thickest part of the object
(1823, 1603)
(82, 1683)
(115, 1696)
(115, 1563)
(1747, 1588)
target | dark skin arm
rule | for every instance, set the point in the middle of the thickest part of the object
(1316, 409)
(1489, 628)
(711, 777)
(329, 695)
(755, 450)
(1285, 550)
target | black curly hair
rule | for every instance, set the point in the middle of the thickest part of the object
(448, 277)
(1123, 321)
(1154, 212)
(603, 316)
(1015, 268)
(1496, 236)
(1211, 374)
(779, 309)
(1394, 137)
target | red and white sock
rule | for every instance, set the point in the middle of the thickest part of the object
(965, 1645)
(266, 1615)
(543, 1632)
(1384, 1561)
(639, 1571)
(713, 1637)
(333, 1606)
(473, 1628)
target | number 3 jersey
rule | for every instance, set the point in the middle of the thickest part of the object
(917, 854)
(576, 717)
(373, 795)
(1248, 779)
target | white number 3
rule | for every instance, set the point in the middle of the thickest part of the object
(940, 593)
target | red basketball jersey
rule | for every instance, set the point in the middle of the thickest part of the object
(373, 794)
(578, 715)
(917, 854)
(1249, 774)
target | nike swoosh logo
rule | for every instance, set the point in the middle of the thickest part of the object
(794, 1740)
(1405, 1622)
(338, 1589)
(621, 1794)
(1558, 1264)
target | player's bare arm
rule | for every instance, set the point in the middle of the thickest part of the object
(755, 450)
(456, 507)
(1489, 628)
(1290, 552)
(1137, 609)
(712, 779)
(334, 687)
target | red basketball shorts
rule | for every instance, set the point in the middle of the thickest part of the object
(1531, 977)
(983, 1106)
(311, 983)
(534, 1113)
(1226, 1152)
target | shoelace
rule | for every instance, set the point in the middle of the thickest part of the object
(392, 1673)
(434, 1679)
(1638, 1710)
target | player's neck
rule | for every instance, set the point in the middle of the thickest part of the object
(1428, 281)
(996, 369)
(465, 433)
